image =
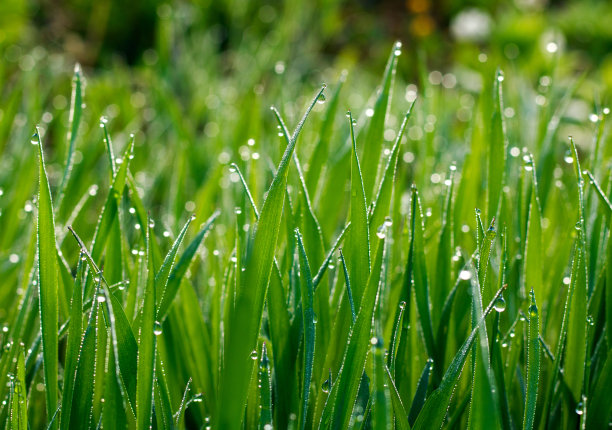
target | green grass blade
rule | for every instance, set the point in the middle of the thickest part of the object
(358, 240)
(317, 279)
(373, 141)
(381, 409)
(75, 332)
(497, 149)
(47, 283)
(340, 402)
(162, 275)
(399, 412)
(382, 203)
(180, 268)
(146, 348)
(76, 111)
(320, 154)
(434, 411)
(421, 392)
(265, 383)
(19, 395)
(533, 364)
(245, 321)
(599, 405)
(82, 400)
(533, 246)
(349, 292)
(307, 293)
(577, 324)
(421, 284)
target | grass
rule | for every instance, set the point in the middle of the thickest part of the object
(444, 262)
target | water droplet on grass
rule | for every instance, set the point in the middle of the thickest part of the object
(465, 275)
(580, 408)
(157, 328)
(34, 139)
(500, 304)
(254, 355)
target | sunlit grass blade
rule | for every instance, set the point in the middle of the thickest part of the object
(76, 111)
(339, 407)
(421, 392)
(181, 266)
(381, 409)
(265, 383)
(533, 364)
(307, 292)
(373, 139)
(146, 347)
(533, 245)
(349, 292)
(358, 240)
(75, 332)
(162, 275)
(434, 411)
(19, 394)
(82, 400)
(47, 282)
(577, 324)
(162, 403)
(321, 152)
(497, 149)
(382, 203)
(420, 279)
(399, 412)
(245, 321)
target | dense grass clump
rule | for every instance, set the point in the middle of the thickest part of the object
(444, 260)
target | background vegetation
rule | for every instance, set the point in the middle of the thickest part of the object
(173, 252)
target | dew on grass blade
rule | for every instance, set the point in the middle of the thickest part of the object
(500, 304)
(157, 328)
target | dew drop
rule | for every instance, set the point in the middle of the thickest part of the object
(381, 232)
(465, 275)
(101, 298)
(254, 355)
(580, 408)
(322, 99)
(157, 328)
(402, 305)
(500, 304)
(326, 385)
(500, 76)
(34, 139)
(237, 210)
(388, 222)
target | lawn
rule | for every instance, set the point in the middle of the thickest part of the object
(305, 215)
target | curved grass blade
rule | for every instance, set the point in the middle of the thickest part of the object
(307, 294)
(434, 411)
(383, 196)
(317, 279)
(245, 321)
(161, 278)
(373, 141)
(146, 348)
(497, 149)
(19, 394)
(358, 240)
(399, 412)
(47, 283)
(421, 393)
(320, 154)
(75, 332)
(348, 287)
(76, 110)
(533, 364)
(84, 385)
(265, 383)
(339, 406)
(180, 268)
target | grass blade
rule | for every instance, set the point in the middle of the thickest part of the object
(434, 411)
(246, 319)
(307, 292)
(358, 240)
(146, 348)
(47, 283)
(497, 149)
(533, 364)
(19, 395)
(374, 135)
